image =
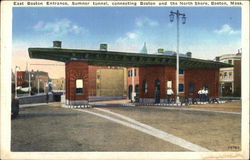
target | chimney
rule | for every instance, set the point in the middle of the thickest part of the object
(189, 54)
(104, 47)
(217, 59)
(160, 51)
(57, 44)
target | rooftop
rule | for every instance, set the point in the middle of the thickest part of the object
(113, 58)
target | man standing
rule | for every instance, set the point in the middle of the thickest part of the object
(169, 94)
(200, 94)
(47, 97)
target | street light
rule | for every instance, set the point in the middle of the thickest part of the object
(171, 16)
(16, 68)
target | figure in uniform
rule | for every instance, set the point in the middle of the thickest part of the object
(169, 94)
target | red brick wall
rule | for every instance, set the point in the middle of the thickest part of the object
(151, 74)
(136, 78)
(237, 77)
(200, 77)
(20, 78)
(75, 70)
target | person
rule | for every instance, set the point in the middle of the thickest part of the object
(157, 95)
(47, 97)
(203, 96)
(206, 95)
(169, 94)
(200, 94)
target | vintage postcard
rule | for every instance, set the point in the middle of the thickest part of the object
(124, 80)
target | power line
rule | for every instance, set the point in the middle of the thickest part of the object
(49, 64)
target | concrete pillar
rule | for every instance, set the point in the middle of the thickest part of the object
(76, 82)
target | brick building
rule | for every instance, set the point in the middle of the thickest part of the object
(230, 77)
(58, 84)
(154, 71)
(20, 78)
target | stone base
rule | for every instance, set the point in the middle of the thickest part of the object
(76, 102)
(152, 100)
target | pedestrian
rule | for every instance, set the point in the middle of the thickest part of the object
(206, 95)
(200, 95)
(203, 96)
(157, 95)
(169, 94)
(47, 97)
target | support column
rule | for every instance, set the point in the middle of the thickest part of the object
(76, 82)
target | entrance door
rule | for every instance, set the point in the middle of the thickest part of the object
(157, 91)
(130, 89)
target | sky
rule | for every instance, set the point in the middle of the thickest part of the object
(208, 32)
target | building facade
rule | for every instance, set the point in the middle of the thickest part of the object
(58, 84)
(38, 79)
(155, 72)
(20, 78)
(230, 77)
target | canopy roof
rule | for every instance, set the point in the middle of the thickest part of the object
(112, 58)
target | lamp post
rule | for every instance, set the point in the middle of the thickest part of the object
(171, 16)
(16, 68)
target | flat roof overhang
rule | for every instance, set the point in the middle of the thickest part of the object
(125, 59)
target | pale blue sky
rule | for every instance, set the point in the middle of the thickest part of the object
(208, 32)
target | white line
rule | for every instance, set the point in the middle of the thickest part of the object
(154, 132)
(31, 105)
(202, 110)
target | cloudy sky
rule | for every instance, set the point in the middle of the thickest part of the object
(208, 32)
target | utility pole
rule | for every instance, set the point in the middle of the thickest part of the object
(177, 14)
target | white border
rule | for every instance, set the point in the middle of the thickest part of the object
(5, 99)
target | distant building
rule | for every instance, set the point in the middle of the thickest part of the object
(133, 79)
(58, 84)
(230, 78)
(38, 79)
(20, 78)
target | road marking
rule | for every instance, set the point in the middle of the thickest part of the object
(151, 131)
(32, 104)
(202, 110)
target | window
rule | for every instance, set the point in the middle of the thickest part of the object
(137, 88)
(135, 72)
(169, 84)
(225, 74)
(79, 86)
(129, 73)
(181, 71)
(230, 61)
(206, 86)
(181, 87)
(191, 88)
(145, 86)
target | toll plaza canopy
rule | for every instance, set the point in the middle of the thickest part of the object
(125, 59)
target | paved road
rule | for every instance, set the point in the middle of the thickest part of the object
(52, 128)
